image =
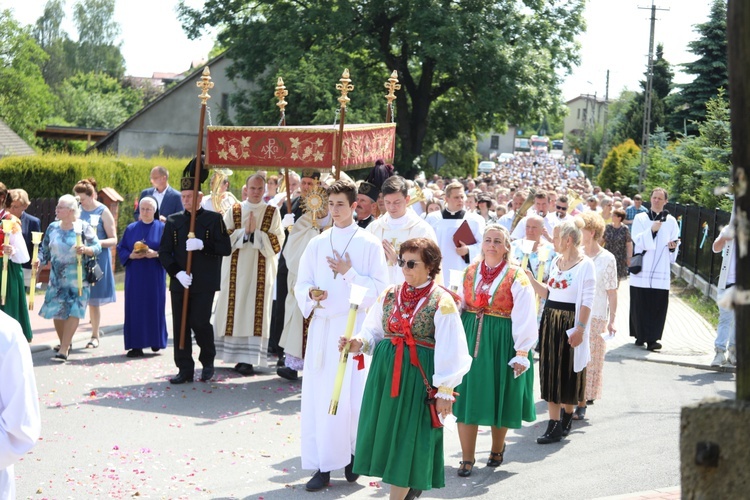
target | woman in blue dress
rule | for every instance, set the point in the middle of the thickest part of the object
(101, 219)
(62, 302)
(145, 283)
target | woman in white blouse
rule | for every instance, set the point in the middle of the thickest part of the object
(564, 330)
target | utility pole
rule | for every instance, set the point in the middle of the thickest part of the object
(647, 103)
(605, 138)
(590, 118)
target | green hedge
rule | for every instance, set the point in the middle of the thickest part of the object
(588, 171)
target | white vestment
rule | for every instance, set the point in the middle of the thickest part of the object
(243, 310)
(396, 231)
(20, 423)
(445, 229)
(658, 258)
(300, 235)
(328, 440)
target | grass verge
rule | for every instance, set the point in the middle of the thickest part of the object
(705, 306)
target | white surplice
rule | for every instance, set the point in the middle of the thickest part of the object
(328, 440)
(445, 229)
(657, 259)
(396, 231)
(20, 423)
(250, 287)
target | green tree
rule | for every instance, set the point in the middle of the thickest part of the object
(619, 172)
(97, 48)
(25, 100)
(96, 100)
(462, 65)
(55, 42)
(710, 70)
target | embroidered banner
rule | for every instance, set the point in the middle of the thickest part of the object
(299, 147)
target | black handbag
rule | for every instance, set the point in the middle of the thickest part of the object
(93, 271)
(636, 263)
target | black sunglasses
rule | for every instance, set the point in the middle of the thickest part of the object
(560, 208)
(408, 263)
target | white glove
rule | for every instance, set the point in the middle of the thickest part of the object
(194, 244)
(287, 221)
(185, 279)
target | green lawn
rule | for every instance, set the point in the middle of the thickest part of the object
(705, 306)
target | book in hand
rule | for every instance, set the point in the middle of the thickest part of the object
(463, 233)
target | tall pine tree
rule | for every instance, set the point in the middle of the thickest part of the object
(710, 70)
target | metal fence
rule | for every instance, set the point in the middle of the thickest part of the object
(699, 228)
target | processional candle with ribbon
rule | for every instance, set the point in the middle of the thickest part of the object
(36, 239)
(455, 278)
(7, 229)
(356, 296)
(78, 229)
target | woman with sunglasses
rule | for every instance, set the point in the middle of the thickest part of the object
(415, 336)
(500, 322)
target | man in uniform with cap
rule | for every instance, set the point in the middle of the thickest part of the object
(367, 196)
(210, 244)
(308, 181)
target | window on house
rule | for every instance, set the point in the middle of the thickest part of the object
(495, 142)
(579, 114)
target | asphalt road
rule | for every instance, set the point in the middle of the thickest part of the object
(114, 427)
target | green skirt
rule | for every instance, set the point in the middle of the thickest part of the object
(395, 438)
(489, 394)
(15, 301)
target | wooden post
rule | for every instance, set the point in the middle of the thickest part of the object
(738, 44)
(204, 84)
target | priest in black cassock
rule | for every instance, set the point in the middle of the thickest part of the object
(367, 198)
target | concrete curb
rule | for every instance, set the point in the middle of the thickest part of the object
(78, 337)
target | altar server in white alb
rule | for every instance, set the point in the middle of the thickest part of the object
(343, 255)
(398, 224)
(657, 233)
(20, 423)
(446, 223)
(243, 311)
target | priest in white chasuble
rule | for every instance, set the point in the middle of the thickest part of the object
(447, 222)
(398, 224)
(343, 255)
(243, 310)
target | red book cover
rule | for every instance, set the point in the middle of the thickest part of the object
(463, 233)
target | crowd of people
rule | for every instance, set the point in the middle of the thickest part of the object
(450, 285)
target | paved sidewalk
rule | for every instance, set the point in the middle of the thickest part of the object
(660, 494)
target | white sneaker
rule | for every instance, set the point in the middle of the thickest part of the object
(719, 359)
(732, 356)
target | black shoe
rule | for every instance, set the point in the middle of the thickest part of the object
(181, 378)
(349, 473)
(60, 357)
(553, 434)
(465, 467)
(496, 459)
(244, 369)
(155, 349)
(566, 423)
(654, 346)
(287, 373)
(280, 362)
(412, 494)
(319, 481)
(207, 373)
(579, 413)
(640, 343)
(135, 353)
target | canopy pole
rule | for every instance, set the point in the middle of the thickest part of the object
(344, 87)
(392, 85)
(281, 93)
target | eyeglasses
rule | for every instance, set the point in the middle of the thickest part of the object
(560, 208)
(411, 264)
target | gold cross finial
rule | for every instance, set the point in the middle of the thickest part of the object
(205, 84)
(344, 87)
(281, 93)
(392, 85)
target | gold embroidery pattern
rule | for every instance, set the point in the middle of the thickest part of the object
(237, 219)
(260, 294)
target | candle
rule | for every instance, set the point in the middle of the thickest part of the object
(356, 295)
(527, 246)
(78, 228)
(7, 228)
(36, 239)
(456, 279)
(94, 220)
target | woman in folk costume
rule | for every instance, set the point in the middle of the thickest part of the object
(564, 330)
(13, 245)
(500, 323)
(414, 333)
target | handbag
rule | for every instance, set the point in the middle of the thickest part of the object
(636, 263)
(94, 272)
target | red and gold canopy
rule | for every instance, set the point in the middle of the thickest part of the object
(300, 147)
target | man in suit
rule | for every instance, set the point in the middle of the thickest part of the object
(19, 202)
(167, 198)
(210, 244)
